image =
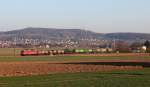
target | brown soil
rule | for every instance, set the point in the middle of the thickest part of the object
(38, 68)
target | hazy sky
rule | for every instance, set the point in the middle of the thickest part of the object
(96, 15)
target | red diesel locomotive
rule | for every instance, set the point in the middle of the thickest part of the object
(34, 52)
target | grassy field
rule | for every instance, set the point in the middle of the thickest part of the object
(67, 58)
(137, 78)
(140, 78)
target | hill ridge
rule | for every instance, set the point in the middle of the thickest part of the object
(57, 33)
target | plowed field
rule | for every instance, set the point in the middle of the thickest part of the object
(37, 68)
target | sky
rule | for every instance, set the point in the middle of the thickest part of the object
(102, 16)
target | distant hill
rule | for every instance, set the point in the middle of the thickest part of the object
(52, 33)
(48, 33)
(128, 36)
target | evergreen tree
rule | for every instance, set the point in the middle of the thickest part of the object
(147, 44)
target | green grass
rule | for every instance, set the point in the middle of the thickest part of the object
(65, 58)
(139, 78)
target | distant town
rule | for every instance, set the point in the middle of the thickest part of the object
(75, 39)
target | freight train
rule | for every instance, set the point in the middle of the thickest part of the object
(33, 52)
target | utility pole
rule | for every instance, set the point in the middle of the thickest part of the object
(114, 47)
(15, 47)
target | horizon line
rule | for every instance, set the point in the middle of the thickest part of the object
(72, 29)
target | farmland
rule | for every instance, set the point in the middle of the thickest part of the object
(138, 78)
(68, 58)
(103, 70)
